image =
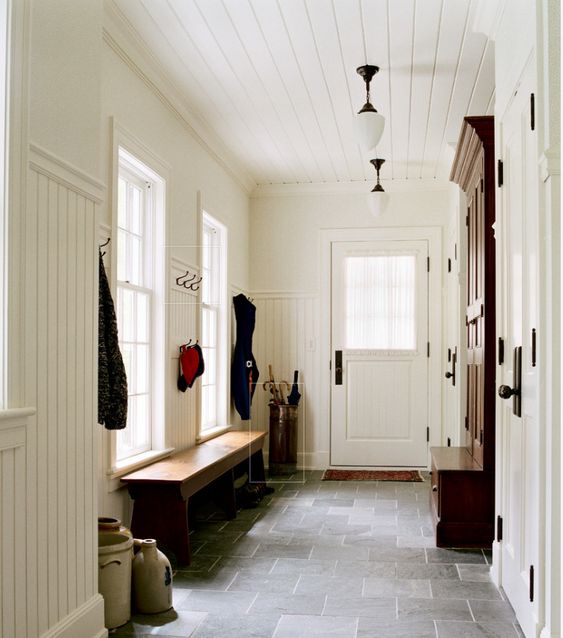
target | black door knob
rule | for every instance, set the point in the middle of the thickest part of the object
(448, 375)
(505, 392)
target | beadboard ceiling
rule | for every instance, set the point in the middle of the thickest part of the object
(275, 80)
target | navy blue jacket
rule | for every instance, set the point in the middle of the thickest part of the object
(244, 364)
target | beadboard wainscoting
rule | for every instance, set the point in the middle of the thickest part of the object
(59, 283)
(13, 433)
(183, 315)
(286, 336)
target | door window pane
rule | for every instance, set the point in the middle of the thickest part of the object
(380, 302)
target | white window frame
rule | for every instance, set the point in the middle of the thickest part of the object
(135, 158)
(219, 261)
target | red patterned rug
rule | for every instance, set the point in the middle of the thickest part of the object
(372, 475)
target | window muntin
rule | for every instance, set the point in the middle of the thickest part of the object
(380, 302)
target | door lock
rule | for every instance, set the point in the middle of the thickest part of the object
(505, 391)
(338, 367)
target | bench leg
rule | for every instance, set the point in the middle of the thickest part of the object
(226, 494)
(256, 472)
(162, 513)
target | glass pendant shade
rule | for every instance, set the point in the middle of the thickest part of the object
(377, 202)
(370, 125)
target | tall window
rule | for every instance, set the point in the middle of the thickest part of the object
(139, 287)
(213, 325)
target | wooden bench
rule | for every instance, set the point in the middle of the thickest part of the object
(161, 491)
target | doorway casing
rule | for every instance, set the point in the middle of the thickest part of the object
(433, 235)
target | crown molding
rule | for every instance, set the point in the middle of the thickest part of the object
(121, 37)
(348, 188)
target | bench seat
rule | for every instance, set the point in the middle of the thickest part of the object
(161, 491)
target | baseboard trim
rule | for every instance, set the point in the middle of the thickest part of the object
(86, 621)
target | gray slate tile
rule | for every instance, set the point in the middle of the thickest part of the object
(475, 630)
(225, 602)
(368, 629)
(396, 587)
(424, 570)
(315, 584)
(416, 609)
(492, 611)
(465, 590)
(398, 555)
(379, 608)
(273, 584)
(291, 626)
(288, 604)
(439, 555)
(220, 626)
(171, 623)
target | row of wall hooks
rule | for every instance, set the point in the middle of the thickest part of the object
(193, 285)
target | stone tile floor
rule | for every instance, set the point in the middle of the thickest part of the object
(335, 559)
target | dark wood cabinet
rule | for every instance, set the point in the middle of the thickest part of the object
(463, 478)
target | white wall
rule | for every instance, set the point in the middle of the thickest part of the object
(285, 279)
(52, 219)
(192, 170)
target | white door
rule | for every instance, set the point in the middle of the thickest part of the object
(379, 355)
(518, 495)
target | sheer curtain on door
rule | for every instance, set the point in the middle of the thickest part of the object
(380, 302)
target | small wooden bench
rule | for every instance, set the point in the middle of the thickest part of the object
(161, 491)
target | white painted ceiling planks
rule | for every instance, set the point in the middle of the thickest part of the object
(276, 81)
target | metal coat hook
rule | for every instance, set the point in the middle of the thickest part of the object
(187, 281)
(105, 244)
(195, 283)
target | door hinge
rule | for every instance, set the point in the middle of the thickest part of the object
(449, 265)
(467, 423)
(500, 173)
(455, 252)
(481, 184)
(500, 351)
(531, 583)
(481, 437)
(449, 442)
(532, 112)
(533, 347)
(467, 220)
(499, 528)
(428, 264)
(428, 349)
(330, 365)
(428, 435)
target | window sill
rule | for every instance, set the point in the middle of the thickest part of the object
(136, 462)
(211, 433)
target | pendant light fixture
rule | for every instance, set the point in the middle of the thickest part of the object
(378, 199)
(370, 122)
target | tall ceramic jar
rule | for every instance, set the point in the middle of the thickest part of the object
(152, 579)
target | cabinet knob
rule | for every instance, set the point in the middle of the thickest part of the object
(434, 488)
(448, 375)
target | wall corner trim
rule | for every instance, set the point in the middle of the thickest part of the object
(45, 162)
(86, 620)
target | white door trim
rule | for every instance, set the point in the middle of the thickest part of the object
(433, 234)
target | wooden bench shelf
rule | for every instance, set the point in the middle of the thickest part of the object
(461, 500)
(161, 491)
